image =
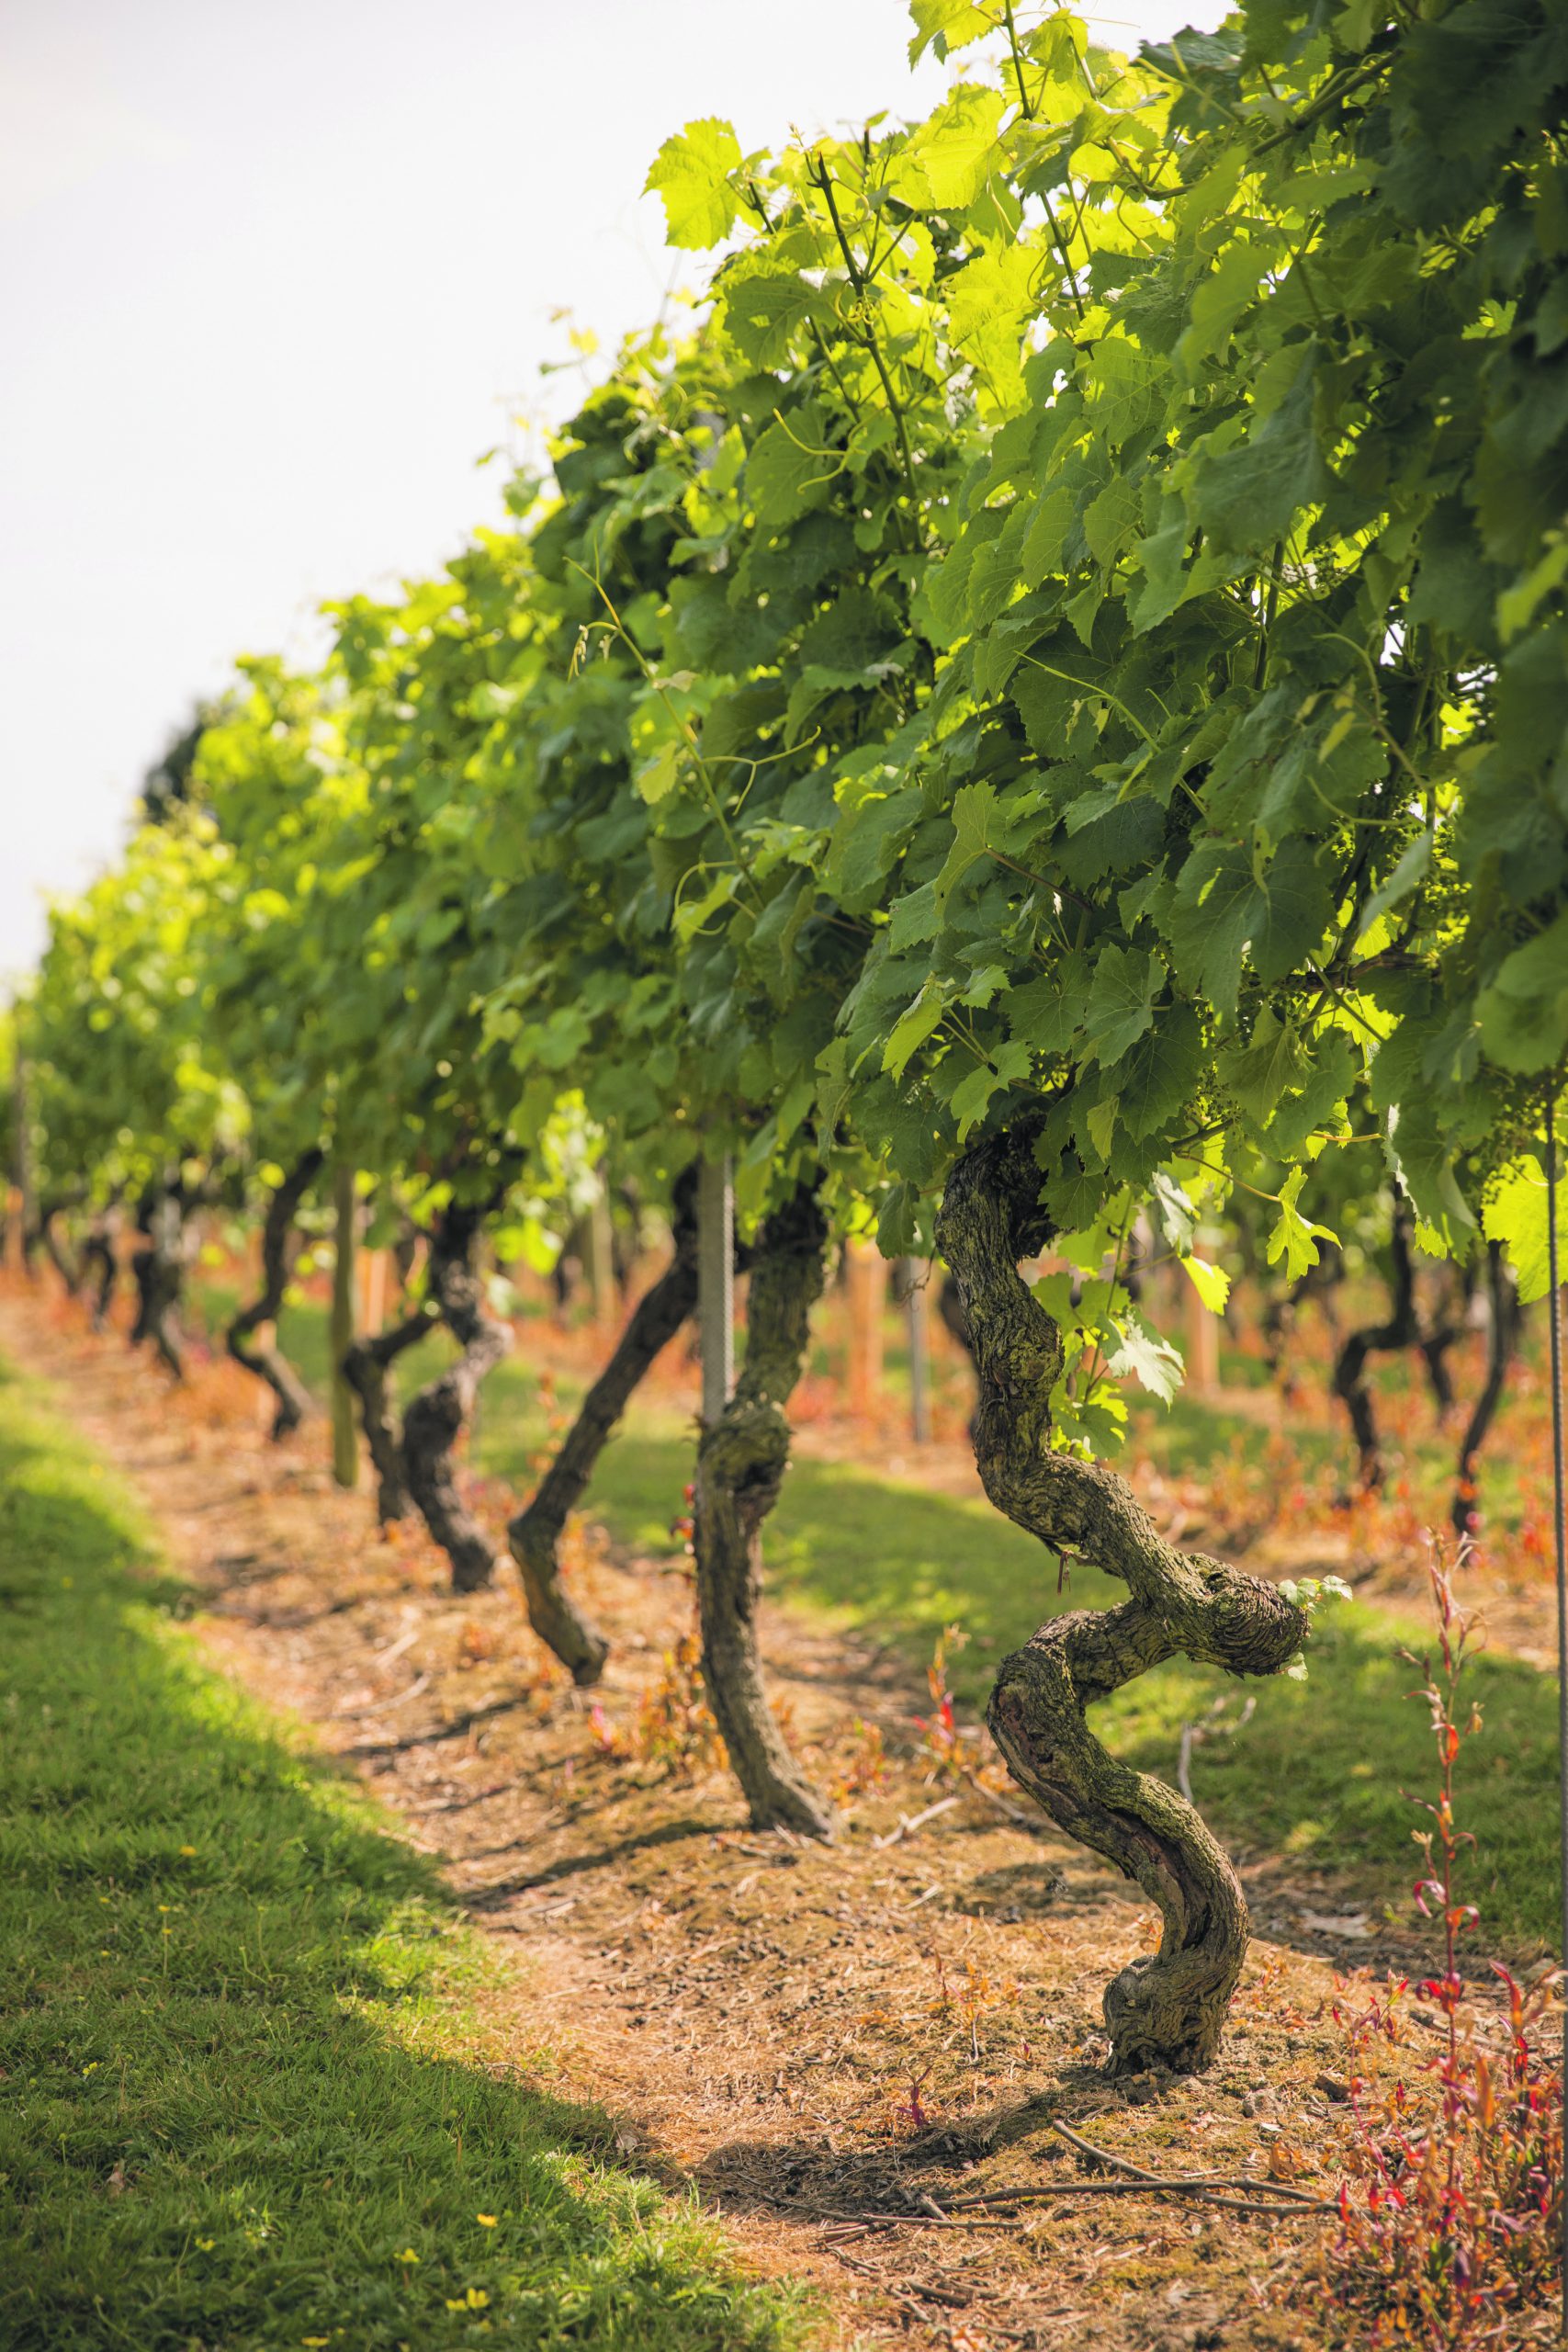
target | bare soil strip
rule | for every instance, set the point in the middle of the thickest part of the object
(841, 2050)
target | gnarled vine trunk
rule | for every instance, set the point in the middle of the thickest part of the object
(1403, 1329)
(534, 1533)
(266, 1360)
(98, 1260)
(1168, 2008)
(366, 1367)
(435, 1416)
(1438, 1338)
(159, 1269)
(1501, 1338)
(56, 1246)
(741, 1460)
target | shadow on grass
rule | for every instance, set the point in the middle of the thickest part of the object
(248, 2098)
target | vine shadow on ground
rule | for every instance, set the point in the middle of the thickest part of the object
(1317, 1778)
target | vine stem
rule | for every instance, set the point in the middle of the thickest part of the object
(1559, 1505)
(824, 179)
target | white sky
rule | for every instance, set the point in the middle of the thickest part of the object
(276, 272)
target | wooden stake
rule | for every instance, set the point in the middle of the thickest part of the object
(917, 1274)
(601, 1254)
(715, 1284)
(372, 1290)
(346, 1215)
(867, 1271)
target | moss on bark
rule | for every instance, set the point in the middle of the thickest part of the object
(740, 1465)
(1169, 2008)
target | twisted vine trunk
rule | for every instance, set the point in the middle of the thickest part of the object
(366, 1367)
(534, 1533)
(159, 1270)
(1438, 1338)
(1403, 1329)
(1169, 2008)
(99, 1256)
(266, 1359)
(437, 1416)
(56, 1247)
(1501, 1338)
(741, 1460)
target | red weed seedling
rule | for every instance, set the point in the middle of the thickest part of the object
(947, 1752)
(1448, 2232)
(683, 1527)
(673, 1725)
(912, 2110)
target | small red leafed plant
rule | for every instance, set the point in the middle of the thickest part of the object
(1449, 2229)
(947, 1752)
(673, 1726)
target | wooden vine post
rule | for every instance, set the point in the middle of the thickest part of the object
(866, 1284)
(917, 1274)
(345, 1213)
(1202, 1349)
(715, 1284)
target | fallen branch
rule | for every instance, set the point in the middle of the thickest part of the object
(397, 1699)
(906, 1828)
(1283, 2189)
(1276, 2201)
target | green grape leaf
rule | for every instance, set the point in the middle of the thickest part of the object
(1121, 1002)
(1516, 1214)
(1152, 1362)
(1292, 1238)
(691, 173)
(974, 808)
(1212, 1283)
(791, 468)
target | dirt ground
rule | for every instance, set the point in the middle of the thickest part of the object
(838, 2049)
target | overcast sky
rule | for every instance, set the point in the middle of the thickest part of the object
(276, 272)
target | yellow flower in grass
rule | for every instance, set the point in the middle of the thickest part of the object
(407, 2254)
(486, 2221)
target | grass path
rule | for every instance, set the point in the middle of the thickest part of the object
(245, 2099)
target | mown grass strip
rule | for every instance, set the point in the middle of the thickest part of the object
(246, 2096)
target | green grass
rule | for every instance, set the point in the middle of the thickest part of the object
(244, 2076)
(1318, 1773)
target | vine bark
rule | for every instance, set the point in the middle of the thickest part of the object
(158, 1272)
(437, 1416)
(1502, 1339)
(1168, 2007)
(741, 1461)
(534, 1533)
(367, 1367)
(266, 1359)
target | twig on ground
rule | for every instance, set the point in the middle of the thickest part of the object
(906, 1828)
(397, 1699)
